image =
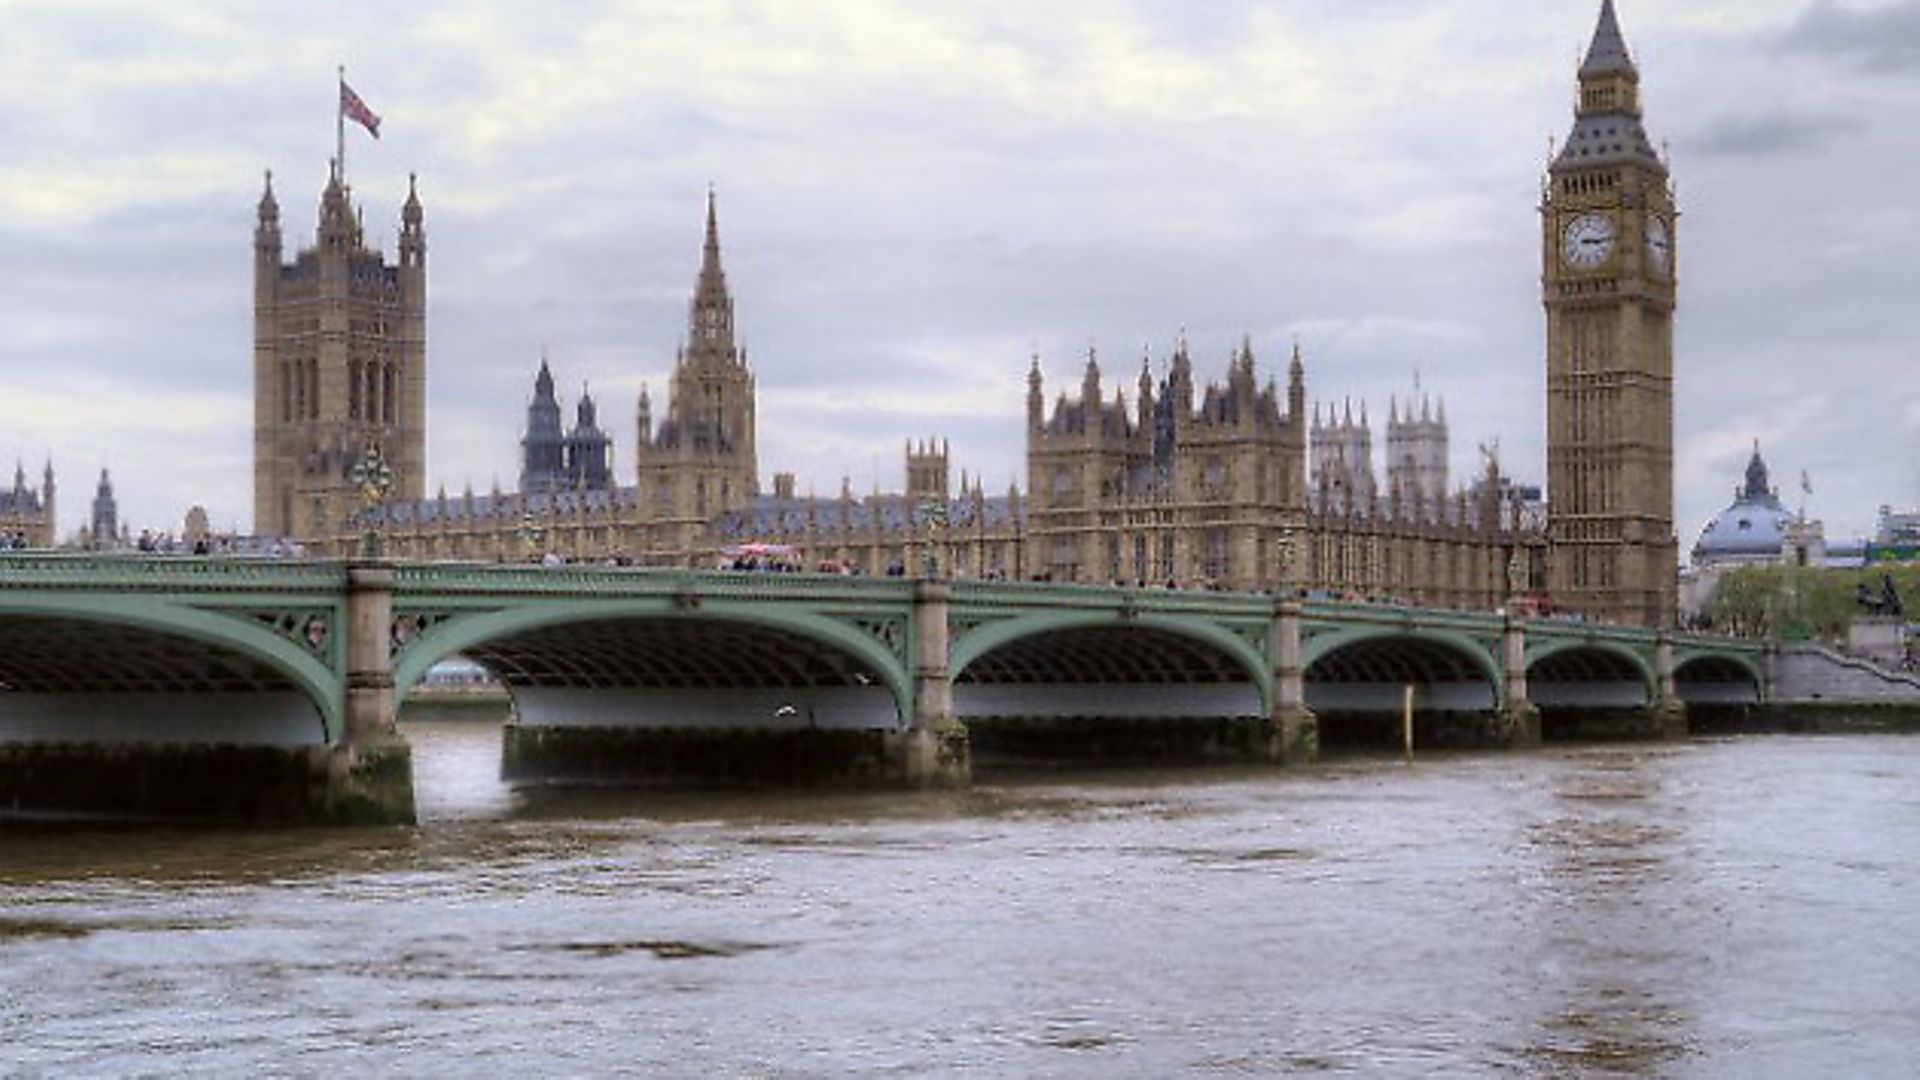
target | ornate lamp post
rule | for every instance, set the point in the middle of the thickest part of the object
(530, 536)
(374, 478)
(933, 514)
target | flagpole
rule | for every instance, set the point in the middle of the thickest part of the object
(340, 125)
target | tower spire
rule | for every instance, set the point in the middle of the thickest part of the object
(712, 310)
(1608, 54)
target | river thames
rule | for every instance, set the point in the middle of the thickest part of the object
(1745, 907)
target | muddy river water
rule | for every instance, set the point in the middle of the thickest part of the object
(1744, 907)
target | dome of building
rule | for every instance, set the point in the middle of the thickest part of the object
(1753, 527)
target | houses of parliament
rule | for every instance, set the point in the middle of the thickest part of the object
(1234, 482)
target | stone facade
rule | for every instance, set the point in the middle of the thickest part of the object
(1189, 485)
(340, 363)
(1210, 486)
(27, 514)
(1608, 244)
(1228, 484)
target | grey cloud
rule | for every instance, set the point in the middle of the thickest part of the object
(1885, 39)
(1772, 135)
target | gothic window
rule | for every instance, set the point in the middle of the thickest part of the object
(1062, 482)
(1167, 569)
(1113, 557)
(1214, 478)
(1140, 555)
(1216, 565)
(353, 392)
(386, 393)
(1066, 559)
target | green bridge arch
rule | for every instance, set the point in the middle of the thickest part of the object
(985, 639)
(467, 630)
(1322, 646)
(1746, 662)
(319, 683)
(1202, 631)
(1545, 650)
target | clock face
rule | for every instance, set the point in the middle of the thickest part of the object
(1659, 246)
(1587, 241)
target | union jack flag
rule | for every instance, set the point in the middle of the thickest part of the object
(351, 106)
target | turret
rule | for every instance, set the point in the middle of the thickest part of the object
(337, 229)
(105, 525)
(586, 415)
(1242, 380)
(1180, 382)
(1145, 404)
(266, 231)
(1090, 386)
(1296, 387)
(47, 500)
(543, 447)
(413, 233)
(1036, 398)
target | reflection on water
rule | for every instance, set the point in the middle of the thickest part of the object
(1716, 908)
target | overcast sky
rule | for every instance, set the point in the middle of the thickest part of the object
(914, 197)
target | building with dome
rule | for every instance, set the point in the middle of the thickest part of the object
(1756, 529)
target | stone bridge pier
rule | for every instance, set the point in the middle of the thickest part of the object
(369, 771)
(1296, 733)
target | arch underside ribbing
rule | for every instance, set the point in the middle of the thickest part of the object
(1117, 671)
(1584, 677)
(1371, 676)
(68, 679)
(678, 672)
(1716, 680)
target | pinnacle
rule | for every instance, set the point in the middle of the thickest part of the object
(1608, 54)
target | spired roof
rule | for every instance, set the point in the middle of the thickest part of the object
(1611, 136)
(1608, 139)
(1608, 54)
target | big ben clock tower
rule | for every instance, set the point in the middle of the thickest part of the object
(1608, 220)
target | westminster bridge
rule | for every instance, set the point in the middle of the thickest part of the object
(269, 688)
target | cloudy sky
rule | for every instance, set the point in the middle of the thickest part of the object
(915, 197)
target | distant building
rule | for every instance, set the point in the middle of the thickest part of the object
(339, 364)
(579, 460)
(27, 514)
(104, 532)
(1756, 529)
(1229, 483)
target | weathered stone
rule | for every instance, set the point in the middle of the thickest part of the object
(751, 757)
(251, 785)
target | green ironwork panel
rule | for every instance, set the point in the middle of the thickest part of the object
(143, 573)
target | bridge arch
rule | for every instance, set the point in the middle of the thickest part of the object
(1712, 678)
(1042, 653)
(731, 662)
(1589, 674)
(1356, 681)
(152, 670)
